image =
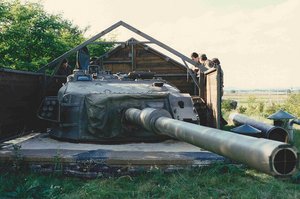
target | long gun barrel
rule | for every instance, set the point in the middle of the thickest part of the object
(271, 157)
(269, 131)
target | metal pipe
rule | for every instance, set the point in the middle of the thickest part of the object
(269, 131)
(271, 157)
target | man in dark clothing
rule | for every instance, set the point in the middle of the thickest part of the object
(195, 58)
(204, 61)
(216, 64)
(64, 68)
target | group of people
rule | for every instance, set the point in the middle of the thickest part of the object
(213, 63)
(202, 59)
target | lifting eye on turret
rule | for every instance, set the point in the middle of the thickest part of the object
(158, 84)
(181, 104)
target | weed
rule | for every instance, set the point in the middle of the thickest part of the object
(17, 157)
(57, 159)
(242, 109)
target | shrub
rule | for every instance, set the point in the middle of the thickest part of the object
(260, 107)
(226, 105)
(241, 109)
(272, 108)
(251, 105)
(292, 104)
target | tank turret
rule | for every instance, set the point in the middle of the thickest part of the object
(91, 107)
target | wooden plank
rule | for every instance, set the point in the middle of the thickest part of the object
(146, 60)
(212, 97)
(21, 95)
(18, 101)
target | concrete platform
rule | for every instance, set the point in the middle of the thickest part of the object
(38, 150)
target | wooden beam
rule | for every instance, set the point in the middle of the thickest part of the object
(66, 54)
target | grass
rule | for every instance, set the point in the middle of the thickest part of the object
(216, 181)
(219, 180)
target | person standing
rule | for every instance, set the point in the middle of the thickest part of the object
(216, 64)
(195, 58)
(64, 68)
(204, 61)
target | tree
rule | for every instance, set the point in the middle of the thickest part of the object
(30, 37)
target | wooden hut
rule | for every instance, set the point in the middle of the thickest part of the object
(134, 55)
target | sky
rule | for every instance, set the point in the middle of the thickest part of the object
(257, 41)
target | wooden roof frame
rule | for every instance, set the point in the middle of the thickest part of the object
(184, 58)
(142, 44)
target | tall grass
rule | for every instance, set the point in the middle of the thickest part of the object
(216, 181)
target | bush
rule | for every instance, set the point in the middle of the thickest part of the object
(292, 104)
(272, 108)
(242, 109)
(227, 105)
(260, 107)
(252, 105)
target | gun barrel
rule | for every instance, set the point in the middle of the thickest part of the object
(269, 131)
(271, 157)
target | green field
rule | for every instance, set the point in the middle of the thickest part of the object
(216, 181)
(268, 97)
(261, 104)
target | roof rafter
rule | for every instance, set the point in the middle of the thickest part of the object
(131, 28)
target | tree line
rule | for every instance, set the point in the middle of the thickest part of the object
(30, 37)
